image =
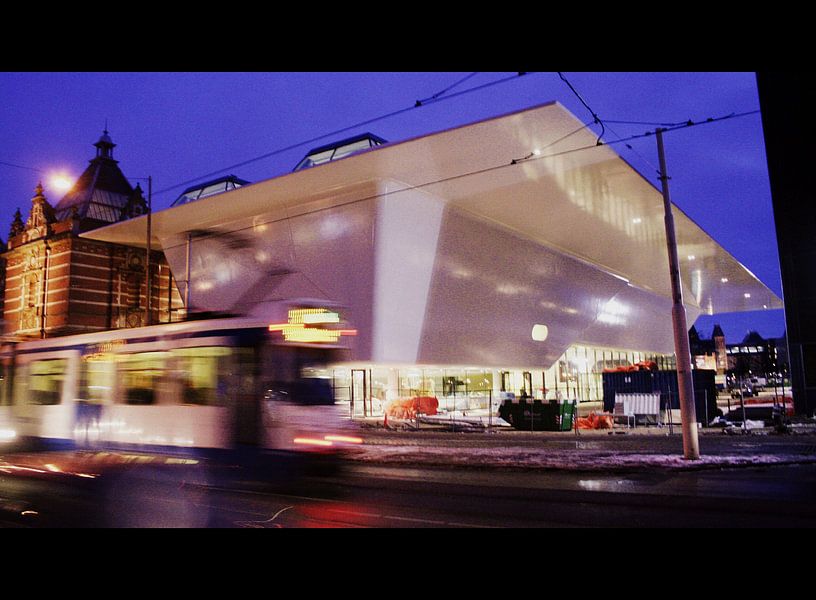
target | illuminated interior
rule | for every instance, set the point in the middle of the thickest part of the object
(366, 389)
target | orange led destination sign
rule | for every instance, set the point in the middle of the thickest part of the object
(305, 325)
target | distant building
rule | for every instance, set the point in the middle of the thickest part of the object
(709, 353)
(702, 351)
(756, 355)
(753, 355)
(57, 283)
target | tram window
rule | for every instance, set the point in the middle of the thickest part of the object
(310, 391)
(203, 372)
(139, 375)
(45, 380)
(97, 381)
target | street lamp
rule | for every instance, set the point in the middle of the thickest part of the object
(61, 182)
(149, 180)
(149, 236)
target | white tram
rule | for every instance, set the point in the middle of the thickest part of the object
(203, 385)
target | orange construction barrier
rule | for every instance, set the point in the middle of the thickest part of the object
(595, 421)
(408, 408)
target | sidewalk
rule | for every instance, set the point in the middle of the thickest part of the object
(619, 449)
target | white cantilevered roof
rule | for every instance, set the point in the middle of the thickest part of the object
(579, 198)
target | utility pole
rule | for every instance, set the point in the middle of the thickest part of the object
(685, 382)
(187, 276)
(149, 319)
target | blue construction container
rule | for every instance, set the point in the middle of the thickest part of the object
(665, 382)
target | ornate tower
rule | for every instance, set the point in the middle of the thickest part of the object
(26, 270)
(42, 215)
(59, 283)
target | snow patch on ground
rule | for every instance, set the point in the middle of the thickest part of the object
(526, 459)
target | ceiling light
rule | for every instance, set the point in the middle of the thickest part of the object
(540, 332)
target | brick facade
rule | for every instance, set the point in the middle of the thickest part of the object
(60, 284)
(57, 283)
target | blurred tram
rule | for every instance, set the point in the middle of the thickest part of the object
(204, 386)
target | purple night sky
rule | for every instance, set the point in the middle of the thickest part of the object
(182, 127)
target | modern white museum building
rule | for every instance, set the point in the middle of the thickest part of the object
(512, 253)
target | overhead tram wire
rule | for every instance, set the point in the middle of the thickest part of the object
(604, 123)
(417, 104)
(449, 88)
(529, 158)
(551, 144)
(438, 97)
(638, 154)
(8, 164)
(592, 112)
(647, 123)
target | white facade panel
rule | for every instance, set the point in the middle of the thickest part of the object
(407, 232)
(492, 286)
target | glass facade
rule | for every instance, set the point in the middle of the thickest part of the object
(577, 375)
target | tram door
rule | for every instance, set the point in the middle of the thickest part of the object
(360, 405)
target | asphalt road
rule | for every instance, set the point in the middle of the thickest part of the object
(420, 497)
(367, 496)
(387, 490)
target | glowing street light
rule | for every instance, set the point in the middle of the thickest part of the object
(61, 182)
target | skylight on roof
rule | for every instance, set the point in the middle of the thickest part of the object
(338, 150)
(210, 188)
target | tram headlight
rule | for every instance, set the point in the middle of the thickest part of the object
(7, 435)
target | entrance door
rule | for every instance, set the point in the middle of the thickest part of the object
(506, 384)
(528, 383)
(359, 393)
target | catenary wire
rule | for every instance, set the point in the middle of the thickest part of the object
(450, 87)
(8, 164)
(417, 104)
(649, 123)
(592, 112)
(638, 154)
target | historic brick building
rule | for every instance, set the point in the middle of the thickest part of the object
(57, 283)
(754, 354)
